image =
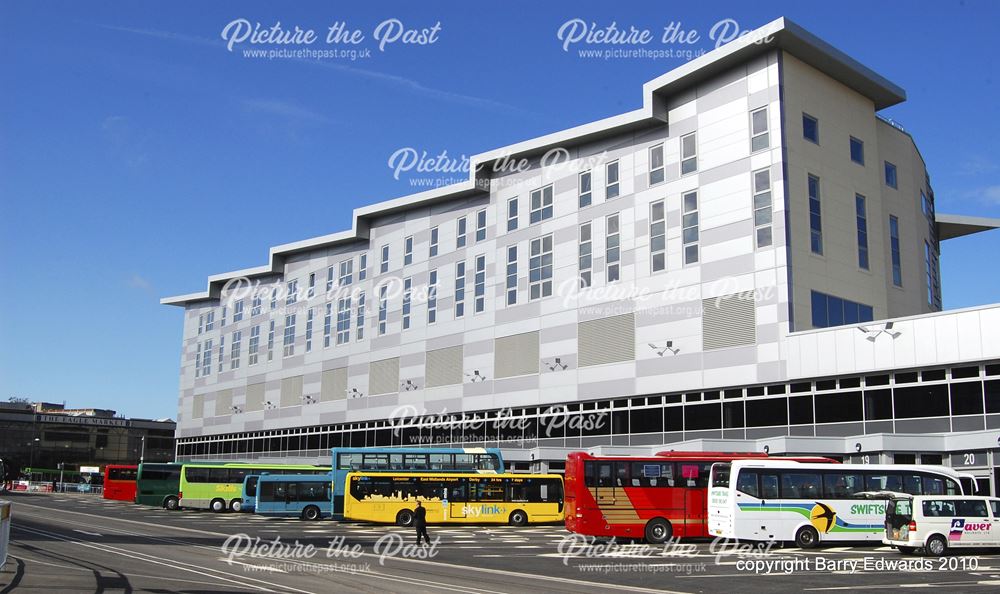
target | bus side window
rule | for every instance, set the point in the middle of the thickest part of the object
(933, 485)
(768, 486)
(911, 484)
(621, 474)
(589, 478)
(995, 504)
(747, 483)
(604, 478)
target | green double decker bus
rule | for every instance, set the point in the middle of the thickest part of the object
(157, 484)
(219, 486)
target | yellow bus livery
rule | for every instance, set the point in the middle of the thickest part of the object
(515, 499)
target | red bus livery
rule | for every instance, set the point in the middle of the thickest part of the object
(656, 497)
(119, 482)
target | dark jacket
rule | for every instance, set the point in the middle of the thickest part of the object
(420, 516)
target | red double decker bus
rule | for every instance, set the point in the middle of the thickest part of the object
(655, 498)
(119, 482)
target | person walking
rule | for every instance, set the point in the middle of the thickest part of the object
(420, 523)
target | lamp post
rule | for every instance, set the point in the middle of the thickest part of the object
(31, 456)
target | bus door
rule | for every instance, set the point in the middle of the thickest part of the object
(769, 524)
(291, 500)
(604, 491)
(458, 499)
(694, 484)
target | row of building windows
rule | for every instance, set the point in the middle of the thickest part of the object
(810, 131)
(541, 208)
(959, 392)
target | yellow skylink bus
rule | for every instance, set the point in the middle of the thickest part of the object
(219, 486)
(515, 499)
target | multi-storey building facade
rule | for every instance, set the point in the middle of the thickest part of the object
(695, 270)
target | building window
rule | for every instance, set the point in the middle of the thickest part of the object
(897, 266)
(512, 214)
(829, 311)
(238, 311)
(201, 324)
(689, 153)
(222, 322)
(657, 237)
(481, 225)
(292, 296)
(289, 339)
(460, 233)
(586, 256)
(759, 138)
(270, 341)
(346, 272)
(408, 251)
(656, 165)
(206, 358)
(197, 362)
(611, 187)
(434, 243)
(407, 293)
(857, 151)
(480, 284)
(689, 227)
(432, 297)
(861, 209)
(810, 128)
(344, 320)
(612, 250)
(309, 330)
(541, 205)
(511, 275)
(254, 346)
(362, 267)
(762, 214)
(361, 316)
(312, 287)
(327, 324)
(274, 298)
(540, 268)
(815, 217)
(384, 265)
(329, 279)
(585, 189)
(383, 308)
(222, 350)
(234, 350)
(459, 289)
(890, 175)
(930, 273)
(209, 321)
(255, 304)
(927, 207)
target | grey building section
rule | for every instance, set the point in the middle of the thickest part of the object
(693, 272)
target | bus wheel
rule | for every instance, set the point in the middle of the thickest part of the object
(658, 531)
(936, 545)
(217, 505)
(236, 505)
(806, 537)
(171, 503)
(404, 518)
(518, 518)
(310, 513)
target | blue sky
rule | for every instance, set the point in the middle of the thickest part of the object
(138, 155)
